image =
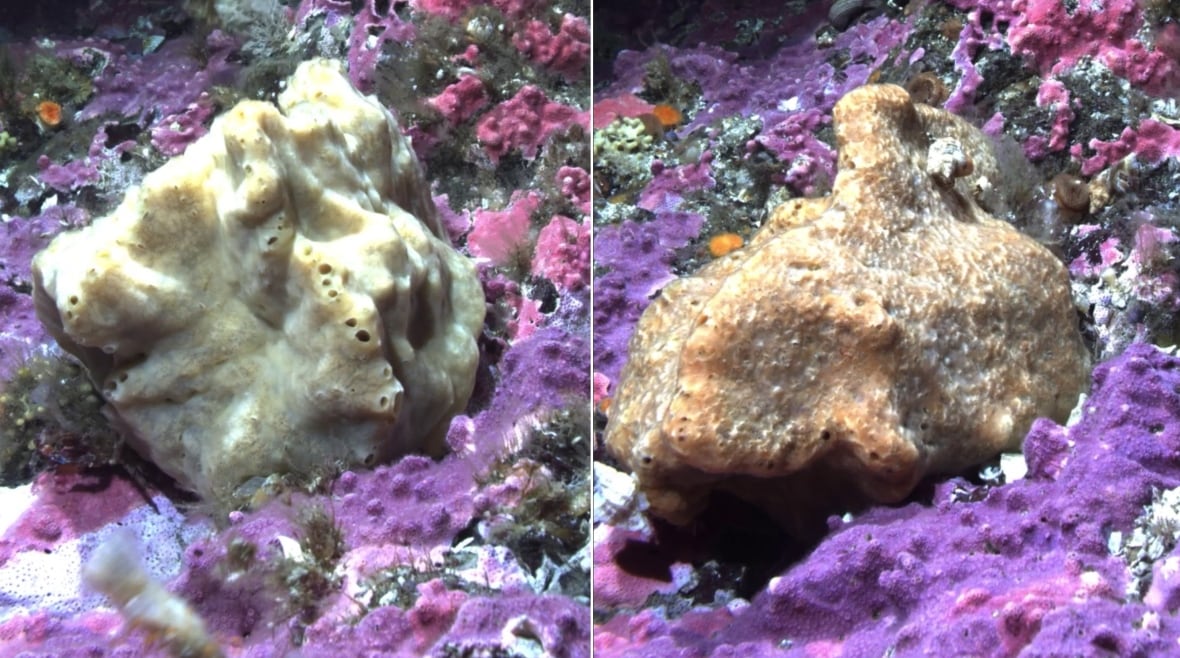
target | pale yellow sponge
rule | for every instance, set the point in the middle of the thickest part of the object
(860, 341)
(280, 298)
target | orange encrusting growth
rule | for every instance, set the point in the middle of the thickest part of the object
(723, 243)
(669, 116)
(49, 113)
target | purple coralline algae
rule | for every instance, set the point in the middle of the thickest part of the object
(640, 256)
(563, 253)
(565, 52)
(730, 86)
(157, 84)
(1027, 568)
(496, 234)
(371, 28)
(1055, 42)
(484, 552)
(523, 123)
(20, 239)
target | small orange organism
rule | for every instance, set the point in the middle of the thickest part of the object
(669, 116)
(723, 243)
(49, 113)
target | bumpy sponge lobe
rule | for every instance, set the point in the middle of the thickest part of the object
(280, 298)
(894, 329)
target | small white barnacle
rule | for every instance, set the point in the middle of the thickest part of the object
(946, 160)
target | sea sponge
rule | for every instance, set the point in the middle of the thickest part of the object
(624, 135)
(860, 341)
(280, 298)
(623, 151)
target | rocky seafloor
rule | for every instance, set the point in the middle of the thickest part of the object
(1075, 557)
(482, 552)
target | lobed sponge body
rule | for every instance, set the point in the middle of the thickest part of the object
(860, 341)
(281, 297)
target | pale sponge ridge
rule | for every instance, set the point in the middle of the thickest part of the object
(893, 329)
(280, 298)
